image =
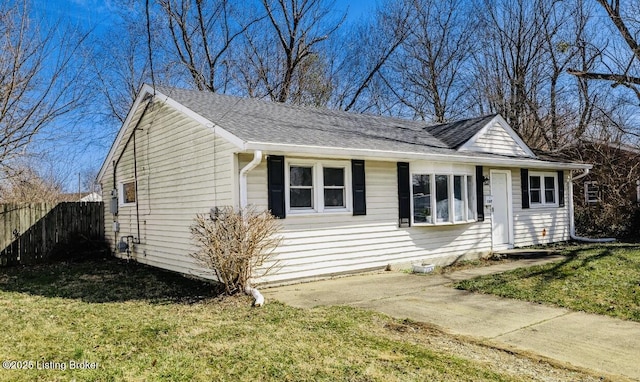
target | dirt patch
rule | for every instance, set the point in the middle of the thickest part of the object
(528, 367)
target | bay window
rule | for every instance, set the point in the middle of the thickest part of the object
(453, 196)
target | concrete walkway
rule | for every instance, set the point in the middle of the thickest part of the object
(601, 344)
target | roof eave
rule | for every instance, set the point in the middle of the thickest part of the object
(338, 152)
(157, 95)
(144, 90)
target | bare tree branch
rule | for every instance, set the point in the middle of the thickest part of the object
(619, 78)
(39, 79)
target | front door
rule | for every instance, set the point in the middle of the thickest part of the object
(501, 209)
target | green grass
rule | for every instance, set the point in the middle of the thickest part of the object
(141, 324)
(603, 279)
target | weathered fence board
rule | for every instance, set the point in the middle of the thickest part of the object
(30, 231)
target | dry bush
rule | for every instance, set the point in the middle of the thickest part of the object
(234, 245)
(26, 186)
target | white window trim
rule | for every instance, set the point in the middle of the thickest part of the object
(121, 201)
(469, 205)
(318, 187)
(543, 203)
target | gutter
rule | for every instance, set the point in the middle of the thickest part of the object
(457, 157)
(572, 224)
(257, 158)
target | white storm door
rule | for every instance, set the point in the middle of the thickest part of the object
(501, 227)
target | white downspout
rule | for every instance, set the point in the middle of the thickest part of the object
(257, 158)
(572, 224)
(244, 201)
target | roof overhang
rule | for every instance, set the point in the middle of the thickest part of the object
(382, 155)
(157, 96)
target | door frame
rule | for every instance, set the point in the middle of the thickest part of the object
(509, 203)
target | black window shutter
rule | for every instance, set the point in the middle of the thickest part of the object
(275, 185)
(479, 193)
(358, 186)
(524, 179)
(404, 195)
(560, 188)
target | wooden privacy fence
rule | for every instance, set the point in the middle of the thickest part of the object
(30, 231)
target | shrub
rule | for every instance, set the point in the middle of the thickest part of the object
(608, 220)
(235, 245)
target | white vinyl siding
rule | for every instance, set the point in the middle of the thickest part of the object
(182, 170)
(497, 141)
(538, 225)
(323, 244)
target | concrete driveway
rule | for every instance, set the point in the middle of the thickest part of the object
(602, 344)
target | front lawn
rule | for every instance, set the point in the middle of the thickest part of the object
(129, 322)
(602, 279)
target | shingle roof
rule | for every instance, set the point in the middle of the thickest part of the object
(255, 120)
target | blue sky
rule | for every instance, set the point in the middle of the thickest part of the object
(99, 14)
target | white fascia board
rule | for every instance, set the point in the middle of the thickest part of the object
(385, 155)
(146, 89)
(501, 121)
(221, 132)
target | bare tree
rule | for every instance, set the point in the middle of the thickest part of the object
(284, 57)
(430, 69)
(201, 34)
(366, 52)
(520, 69)
(626, 71)
(39, 78)
(121, 68)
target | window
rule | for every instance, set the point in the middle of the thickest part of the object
(128, 192)
(471, 198)
(333, 187)
(301, 187)
(442, 198)
(318, 187)
(452, 195)
(543, 189)
(422, 198)
(591, 192)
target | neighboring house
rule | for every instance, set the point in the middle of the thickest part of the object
(80, 197)
(91, 197)
(608, 198)
(353, 192)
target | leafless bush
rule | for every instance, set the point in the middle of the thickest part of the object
(25, 185)
(235, 245)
